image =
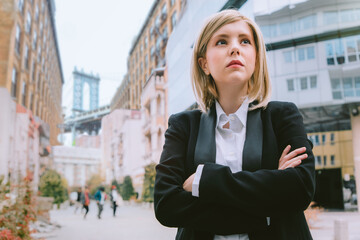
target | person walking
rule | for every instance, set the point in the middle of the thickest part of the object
(100, 197)
(78, 200)
(114, 199)
(85, 199)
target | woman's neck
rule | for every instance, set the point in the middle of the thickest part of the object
(231, 100)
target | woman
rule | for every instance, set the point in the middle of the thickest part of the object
(242, 167)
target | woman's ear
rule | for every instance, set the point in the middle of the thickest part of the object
(203, 64)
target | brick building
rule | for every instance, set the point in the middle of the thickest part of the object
(30, 66)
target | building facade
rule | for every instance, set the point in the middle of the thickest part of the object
(30, 66)
(313, 58)
(153, 102)
(122, 146)
(76, 164)
(148, 51)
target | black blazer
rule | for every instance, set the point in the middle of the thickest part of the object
(234, 203)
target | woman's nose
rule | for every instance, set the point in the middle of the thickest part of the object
(234, 50)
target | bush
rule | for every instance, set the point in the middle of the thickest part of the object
(53, 185)
(127, 189)
(16, 210)
(149, 182)
(94, 183)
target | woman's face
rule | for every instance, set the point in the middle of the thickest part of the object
(230, 56)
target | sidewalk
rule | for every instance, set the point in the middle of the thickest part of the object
(131, 222)
(138, 222)
(323, 227)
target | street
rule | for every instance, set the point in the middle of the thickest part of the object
(131, 222)
(138, 222)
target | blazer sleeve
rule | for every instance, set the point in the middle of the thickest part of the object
(174, 207)
(266, 192)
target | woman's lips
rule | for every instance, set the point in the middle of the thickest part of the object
(235, 64)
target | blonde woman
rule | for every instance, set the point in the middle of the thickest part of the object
(241, 167)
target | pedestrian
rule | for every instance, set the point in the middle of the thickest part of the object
(114, 199)
(85, 199)
(78, 204)
(100, 197)
(241, 167)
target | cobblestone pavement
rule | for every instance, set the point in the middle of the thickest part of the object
(131, 223)
(138, 222)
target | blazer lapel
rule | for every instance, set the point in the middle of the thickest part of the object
(205, 150)
(252, 153)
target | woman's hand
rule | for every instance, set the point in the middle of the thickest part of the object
(293, 159)
(188, 183)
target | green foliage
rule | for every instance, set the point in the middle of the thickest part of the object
(149, 182)
(94, 183)
(53, 185)
(16, 210)
(127, 189)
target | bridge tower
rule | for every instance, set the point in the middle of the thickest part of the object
(80, 79)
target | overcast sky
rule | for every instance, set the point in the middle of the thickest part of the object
(96, 36)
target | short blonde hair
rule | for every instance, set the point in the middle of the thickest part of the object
(204, 87)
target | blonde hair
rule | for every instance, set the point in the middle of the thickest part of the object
(203, 85)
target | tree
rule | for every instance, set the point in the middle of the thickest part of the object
(149, 182)
(53, 185)
(93, 183)
(127, 189)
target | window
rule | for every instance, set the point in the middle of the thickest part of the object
(41, 28)
(357, 86)
(26, 57)
(42, 6)
(146, 61)
(318, 160)
(316, 142)
(17, 39)
(173, 20)
(34, 40)
(351, 49)
(310, 52)
(303, 83)
(347, 15)
(151, 32)
(348, 87)
(336, 88)
(339, 51)
(23, 93)
(21, 6)
(31, 105)
(332, 138)
(288, 56)
(146, 42)
(37, 13)
(290, 85)
(323, 139)
(313, 82)
(307, 22)
(301, 54)
(330, 18)
(157, 21)
(172, 2)
(14, 83)
(39, 54)
(330, 54)
(332, 160)
(163, 10)
(165, 32)
(285, 28)
(28, 23)
(324, 158)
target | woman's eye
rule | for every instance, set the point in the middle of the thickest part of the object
(221, 42)
(245, 41)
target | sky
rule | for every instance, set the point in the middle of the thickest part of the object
(96, 36)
